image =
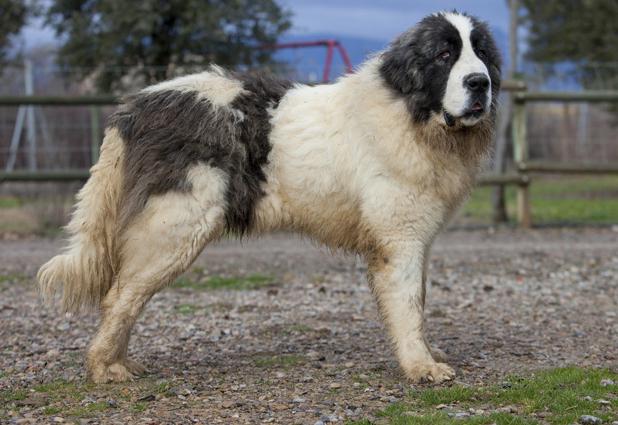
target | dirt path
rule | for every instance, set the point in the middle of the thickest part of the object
(309, 347)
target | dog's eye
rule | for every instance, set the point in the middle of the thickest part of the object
(482, 53)
(445, 55)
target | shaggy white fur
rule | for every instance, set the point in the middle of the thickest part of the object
(348, 166)
(456, 95)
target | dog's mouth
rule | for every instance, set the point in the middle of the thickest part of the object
(476, 110)
(471, 114)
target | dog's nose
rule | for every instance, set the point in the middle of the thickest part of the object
(476, 82)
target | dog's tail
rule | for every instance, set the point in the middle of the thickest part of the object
(85, 271)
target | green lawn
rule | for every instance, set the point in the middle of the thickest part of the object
(82, 399)
(556, 397)
(9, 202)
(564, 200)
(588, 200)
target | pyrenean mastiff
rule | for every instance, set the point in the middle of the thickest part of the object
(375, 164)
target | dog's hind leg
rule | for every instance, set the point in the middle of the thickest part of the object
(158, 245)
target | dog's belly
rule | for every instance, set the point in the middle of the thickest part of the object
(332, 218)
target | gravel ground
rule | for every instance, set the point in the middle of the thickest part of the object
(310, 347)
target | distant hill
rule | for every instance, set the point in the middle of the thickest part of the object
(309, 62)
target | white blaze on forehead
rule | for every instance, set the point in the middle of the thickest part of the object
(462, 23)
(213, 85)
(456, 96)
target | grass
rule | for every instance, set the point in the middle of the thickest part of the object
(162, 387)
(560, 396)
(63, 389)
(255, 281)
(59, 394)
(27, 215)
(187, 309)
(6, 280)
(284, 360)
(9, 202)
(139, 407)
(555, 201)
(553, 397)
(8, 396)
(13, 277)
(297, 328)
(51, 410)
(88, 410)
(566, 200)
(65, 398)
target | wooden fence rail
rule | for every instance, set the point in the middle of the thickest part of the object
(521, 151)
(44, 175)
(519, 177)
(100, 100)
(81, 174)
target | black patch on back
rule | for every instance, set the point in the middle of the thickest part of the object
(246, 176)
(411, 66)
(166, 132)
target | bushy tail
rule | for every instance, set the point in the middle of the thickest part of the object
(85, 271)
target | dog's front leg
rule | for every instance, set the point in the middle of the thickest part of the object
(397, 274)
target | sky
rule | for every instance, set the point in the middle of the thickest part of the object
(369, 19)
(383, 19)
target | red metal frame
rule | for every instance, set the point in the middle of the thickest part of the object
(330, 45)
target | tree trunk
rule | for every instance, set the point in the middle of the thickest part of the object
(498, 199)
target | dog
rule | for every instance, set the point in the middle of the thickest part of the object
(375, 163)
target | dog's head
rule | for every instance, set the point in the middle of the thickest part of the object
(447, 68)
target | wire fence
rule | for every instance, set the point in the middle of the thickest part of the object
(62, 135)
(573, 132)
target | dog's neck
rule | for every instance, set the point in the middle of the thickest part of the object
(386, 115)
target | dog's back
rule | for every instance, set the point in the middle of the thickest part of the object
(181, 163)
(214, 119)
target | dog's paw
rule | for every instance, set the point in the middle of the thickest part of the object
(134, 367)
(431, 372)
(438, 355)
(116, 372)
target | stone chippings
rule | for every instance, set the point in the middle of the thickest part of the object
(310, 348)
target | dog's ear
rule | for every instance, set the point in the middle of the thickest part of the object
(399, 67)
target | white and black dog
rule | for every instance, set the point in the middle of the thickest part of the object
(375, 163)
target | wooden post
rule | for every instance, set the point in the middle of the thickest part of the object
(14, 147)
(520, 147)
(30, 123)
(505, 120)
(95, 134)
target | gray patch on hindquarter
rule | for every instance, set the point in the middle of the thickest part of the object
(166, 132)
